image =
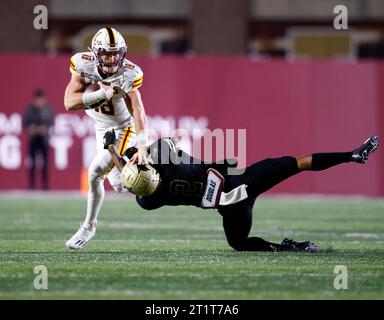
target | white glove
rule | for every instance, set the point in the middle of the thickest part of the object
(108, 90)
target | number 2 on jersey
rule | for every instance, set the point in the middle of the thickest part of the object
(186, 188)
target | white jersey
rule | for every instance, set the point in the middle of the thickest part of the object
(115, 112)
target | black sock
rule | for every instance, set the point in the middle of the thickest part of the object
(256, 244)
(322, 161)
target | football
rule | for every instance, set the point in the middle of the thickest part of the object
(92, 88)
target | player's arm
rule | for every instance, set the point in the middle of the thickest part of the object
(117, 160)
(140, 118)
(108, 141)
(75, 99)
(73, 96)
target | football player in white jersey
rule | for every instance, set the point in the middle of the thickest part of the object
(117, 104)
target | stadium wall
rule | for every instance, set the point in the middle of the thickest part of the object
(287, 108)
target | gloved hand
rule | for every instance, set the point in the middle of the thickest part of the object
(109, 138)
(118, 92)
(140, 157)
(109, 91)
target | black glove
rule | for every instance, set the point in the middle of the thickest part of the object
(109, 138)
(130, 152)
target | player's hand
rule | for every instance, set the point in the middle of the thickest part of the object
(109, 91)
(118, 92)
(109, 138)
(140, 157)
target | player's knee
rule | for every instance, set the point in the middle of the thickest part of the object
(96, 171)
(94, 176)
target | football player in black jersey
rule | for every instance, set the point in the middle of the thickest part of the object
(176, 178)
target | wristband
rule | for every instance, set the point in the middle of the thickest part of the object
(89, 99)
(142, 138)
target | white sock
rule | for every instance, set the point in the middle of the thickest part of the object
(96, 191)
(95, 199)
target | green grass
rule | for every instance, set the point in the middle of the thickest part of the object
(181, 252)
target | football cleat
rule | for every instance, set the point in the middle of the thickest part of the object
(82, 236)
(361, 154)
(291, 245)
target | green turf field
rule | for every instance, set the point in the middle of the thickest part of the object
(181, 252)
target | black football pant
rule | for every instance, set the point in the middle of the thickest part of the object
(237, 218)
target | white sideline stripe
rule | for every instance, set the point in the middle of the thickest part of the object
(364, 235)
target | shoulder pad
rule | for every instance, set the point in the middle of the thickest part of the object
(82, 63)
(87, 56)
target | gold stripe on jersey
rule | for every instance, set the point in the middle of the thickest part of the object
(136, 86)
(138, 79)
(137, 82)
(73, 65)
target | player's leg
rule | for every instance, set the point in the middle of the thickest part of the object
(95, 197)
(261, 176)
(98, 170)
(322, 161)
(32, 164)
(44, 169)
(265, 174)
(237, 223)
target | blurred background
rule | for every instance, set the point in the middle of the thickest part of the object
(277, 68)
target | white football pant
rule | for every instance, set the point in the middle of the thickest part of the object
(102, 166)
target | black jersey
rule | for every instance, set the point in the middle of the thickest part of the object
(182, 182)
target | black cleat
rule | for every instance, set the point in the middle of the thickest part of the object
(291, 245)
(361, 154)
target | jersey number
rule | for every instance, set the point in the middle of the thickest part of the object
(186, 188)
(106, 108)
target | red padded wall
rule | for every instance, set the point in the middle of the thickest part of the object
(287, 108)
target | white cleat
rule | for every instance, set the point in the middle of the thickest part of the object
(82, 236)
